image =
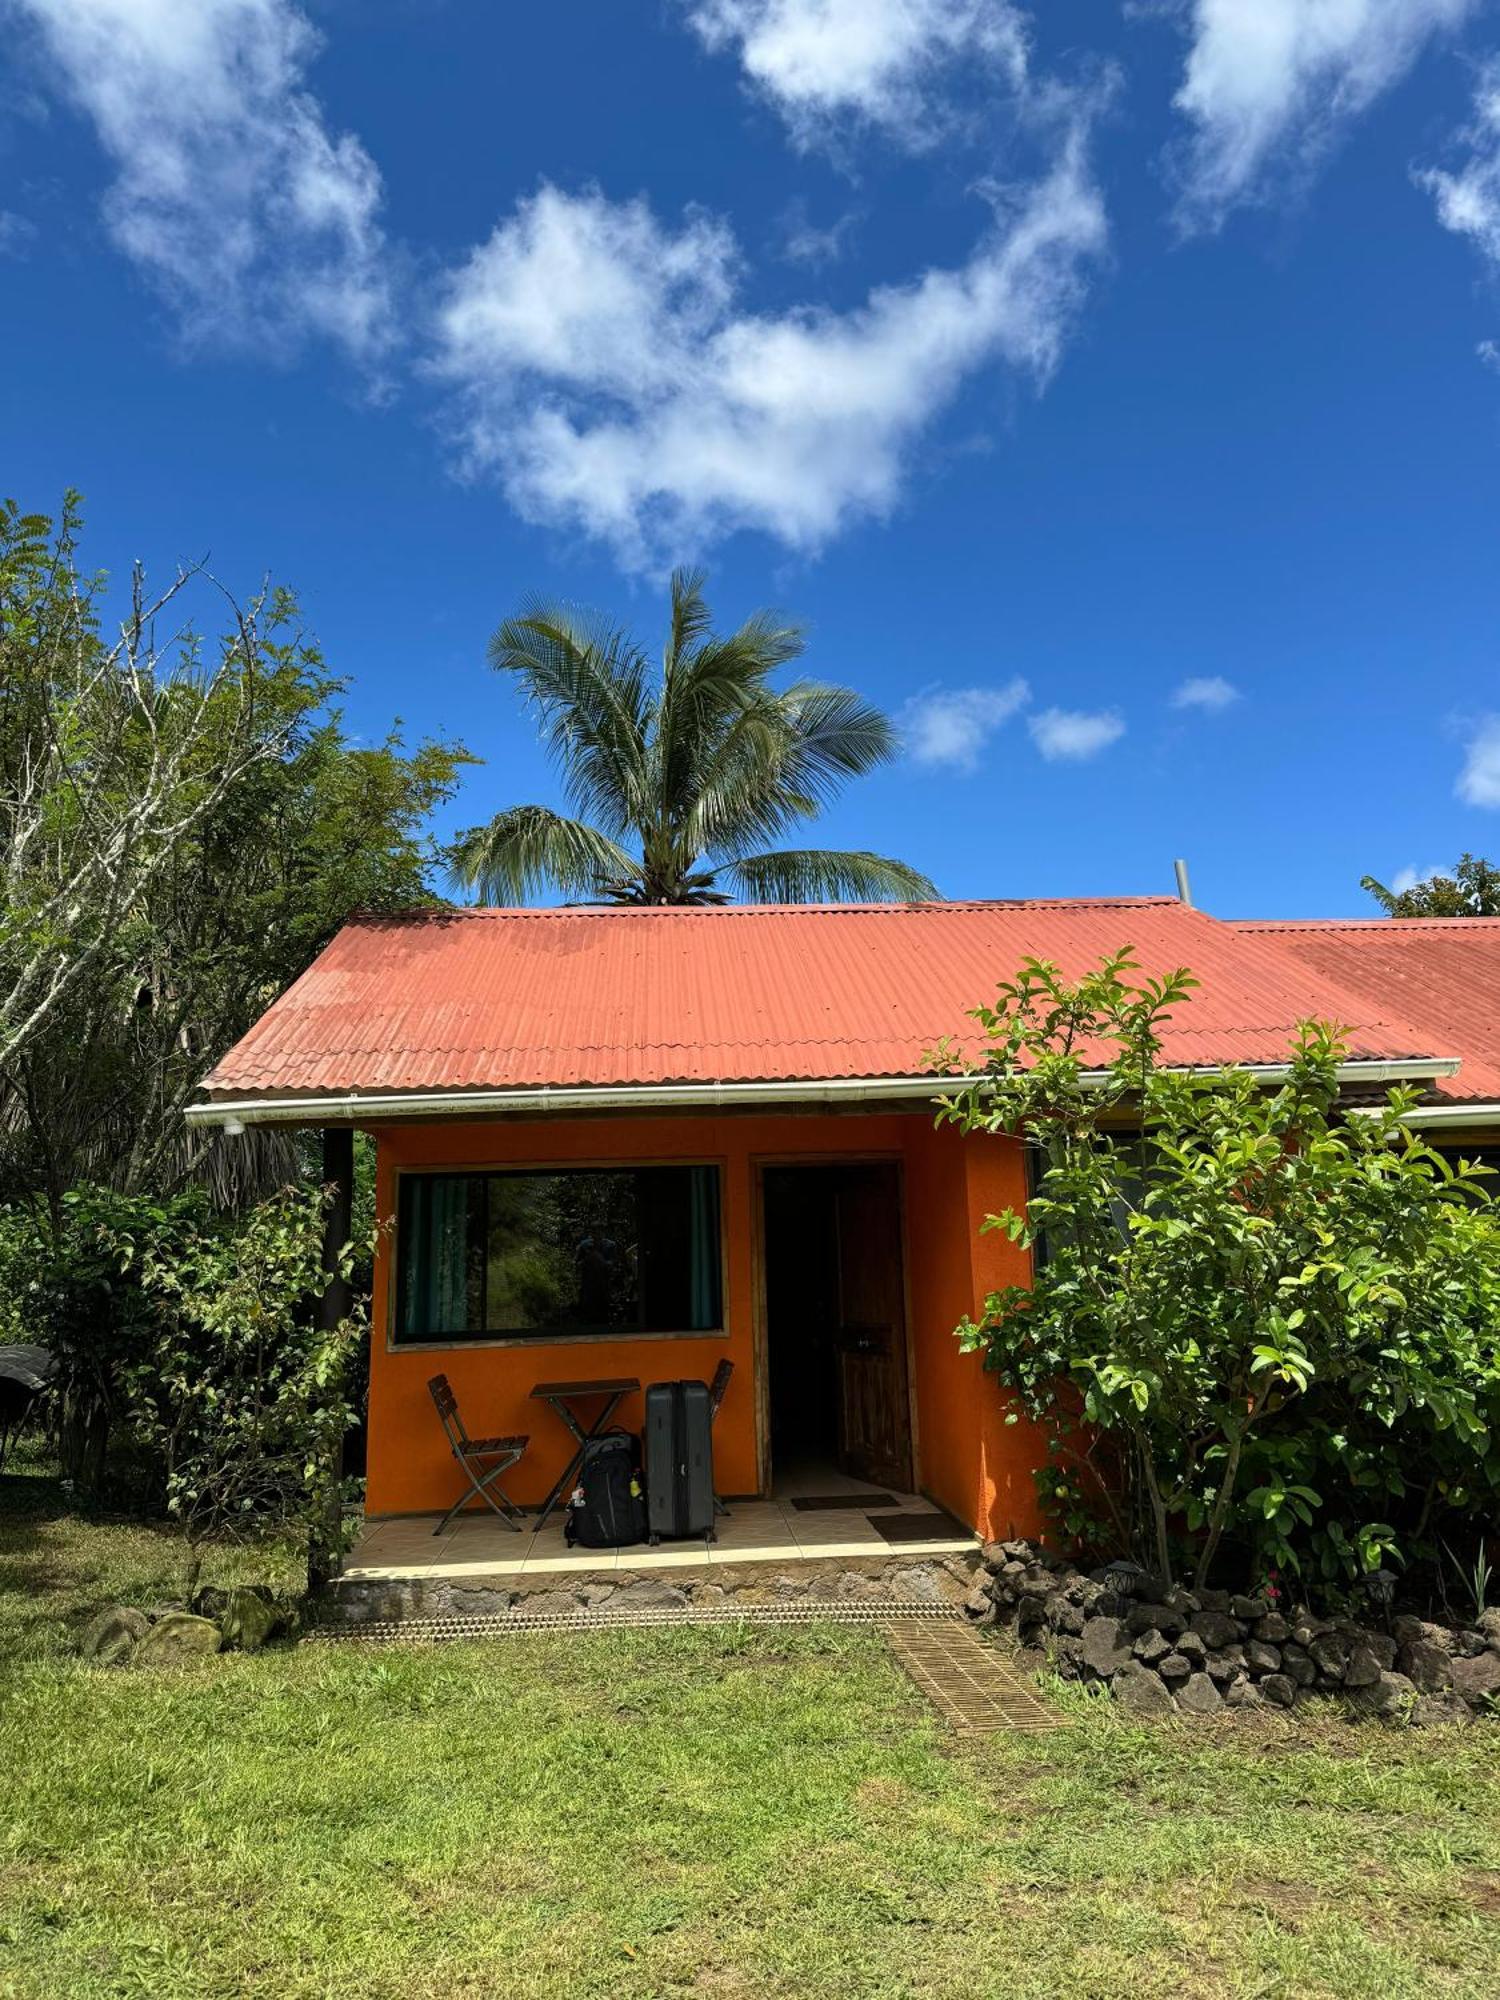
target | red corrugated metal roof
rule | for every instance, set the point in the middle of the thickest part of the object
(496, 999)
(1442, 972)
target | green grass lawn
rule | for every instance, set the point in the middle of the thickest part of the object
(727, 1812)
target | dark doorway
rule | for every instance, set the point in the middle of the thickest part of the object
(836, 1322)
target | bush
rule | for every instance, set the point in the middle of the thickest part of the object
(1289, 1317)
(197, 1338)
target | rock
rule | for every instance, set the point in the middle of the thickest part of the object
(1065, 1616)
(1383, 1646)
(1226, 1666)
(993, 1556)
(1467, 1643)
(1106, 1648)
(1151, 1647)
(1363, 1669)
(247, 1621)
(1248, 1608)
(1328, 1654)
(1139, 1691)
(1387, 1696)
(1199, 1696)
(1174, 1667)
(1261, 1658)
(1213, 1600)
(1477, 1677)
(855, 1587)
(1306, 1628)
(1273, 1628)
(178, 1635)
(926, 1585)
(979, 1605)
(1192, 1644)
(1279, 1688)
(1244, 1694)
(1434, 1711)
(1297, 1666)
(649, 1594)
(1428, 1666)
(114, 1635)
(1489, 1625)
(1216, 1629)
(1159, 1617)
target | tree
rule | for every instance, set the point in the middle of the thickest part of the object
(1472, 890)
(680, 780)
(1236, 1280)
(280, 829)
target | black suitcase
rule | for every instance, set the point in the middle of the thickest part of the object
(679, 1460)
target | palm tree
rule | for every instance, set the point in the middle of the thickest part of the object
(681, 781)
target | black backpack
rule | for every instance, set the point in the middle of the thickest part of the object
(608, 1507)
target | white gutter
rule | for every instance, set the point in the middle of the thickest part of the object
(559, 1101)
(1453, 1117)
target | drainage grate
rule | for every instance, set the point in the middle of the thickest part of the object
(968, 1682)
(498, 1625)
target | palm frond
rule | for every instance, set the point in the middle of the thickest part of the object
(529, 849)
(587, 682)
(828, 875)
(839, 736)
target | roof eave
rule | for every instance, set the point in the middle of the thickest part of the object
(549, 1100)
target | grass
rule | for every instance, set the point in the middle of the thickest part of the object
(726, 1813)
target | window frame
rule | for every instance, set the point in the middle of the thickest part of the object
(559, 1337)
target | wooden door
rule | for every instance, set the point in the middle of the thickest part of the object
(874, 1411)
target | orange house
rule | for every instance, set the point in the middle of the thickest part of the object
(629, 1144)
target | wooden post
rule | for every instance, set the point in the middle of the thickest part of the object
(334, 1306)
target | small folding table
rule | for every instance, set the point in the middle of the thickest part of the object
(561, 1396)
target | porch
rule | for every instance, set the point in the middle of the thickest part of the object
(817, 1515)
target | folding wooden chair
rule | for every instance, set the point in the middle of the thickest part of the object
(716, 1390)
(473, 1454)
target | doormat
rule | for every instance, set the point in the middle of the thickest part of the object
(844, 1503)
(968, 1681)
(939, 1526)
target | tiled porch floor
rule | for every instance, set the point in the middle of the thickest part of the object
(755, 1531)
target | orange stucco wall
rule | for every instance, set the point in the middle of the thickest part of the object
(966, 1456)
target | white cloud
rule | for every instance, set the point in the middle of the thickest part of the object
(606, 374)
(825, 63)
(1074, 733)
(1479, 780)
(804, 242)
(1210, 691)
(1274, 83)
(255, 221)
(1468, 202)
(950, 726)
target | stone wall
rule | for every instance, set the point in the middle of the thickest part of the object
(1171, 1652)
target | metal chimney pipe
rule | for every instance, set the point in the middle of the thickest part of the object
(1184, 887)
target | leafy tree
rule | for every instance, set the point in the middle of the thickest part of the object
(681, 779)
(282, 827)
(1472, 890)
(1241, 1284)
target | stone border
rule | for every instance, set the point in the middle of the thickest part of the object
(564, 1593)
(1183, 1652)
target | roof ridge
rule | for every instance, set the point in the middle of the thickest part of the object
(1393, 926)
(946, 906)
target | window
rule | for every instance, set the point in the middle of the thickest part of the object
(573, 1250)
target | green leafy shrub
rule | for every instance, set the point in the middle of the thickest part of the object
(1283, 1320)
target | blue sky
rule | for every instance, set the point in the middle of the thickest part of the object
(1108, 387)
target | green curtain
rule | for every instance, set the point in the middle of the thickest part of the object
(434, 1255)
(703, 1209)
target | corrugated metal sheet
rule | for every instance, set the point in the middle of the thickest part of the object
(1443, 972)
(526, 998)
